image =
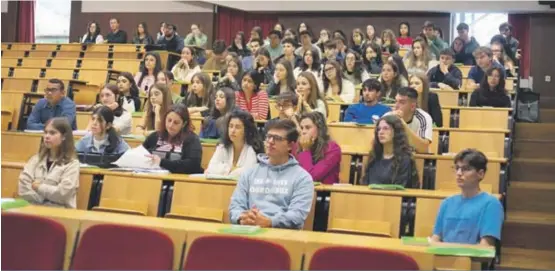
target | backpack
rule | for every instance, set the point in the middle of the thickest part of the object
(528, 106)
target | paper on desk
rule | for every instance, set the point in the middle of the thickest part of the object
(80, 132)
(33, 131)
(136, 158)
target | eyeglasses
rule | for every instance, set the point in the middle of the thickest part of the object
(463, 169)
(50, 90)
(275, 138)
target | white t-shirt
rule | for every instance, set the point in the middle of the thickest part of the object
(421, 124)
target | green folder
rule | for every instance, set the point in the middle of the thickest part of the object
(209, 140)
(415, 241)
(9, 203)
(462, 251)
(242, 230)
(386, 187)
(140, 137)
(317, 183)
(137, 114)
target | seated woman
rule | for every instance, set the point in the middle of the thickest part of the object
(238, 148)
(93, 35)
(461, 57)
(309, 97)
(146, 77)
(111, 98)
(186, 67)
(337, 88)
(231, 75)
(165, 77)
(316, 152)
(250, 98)
(283, 79)
(352, 68)
(372, 59)
(129, 91)
(389, 43)
(391, 160)
(311, 63)
(427, 100)
(142, 36)
(239, 45)
(51, 177)
(263, 64)
(174, 146)
(419, 59)
(391, 80)
(158, 102)
(492, 90)
(200, 99)
(214, 124)
(103, 137)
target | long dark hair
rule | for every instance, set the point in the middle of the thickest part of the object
(207, 99)
(408, 26)
(106, 115)
(320, 145)
(216, 114)
(182, 111)
(92, 36)
(500, 88)
(357, 69)
(400, 65)
(145, 27)
(290, 78)
(376, 48)
(252, 137)
(134, 89)
(316, 65)
(157, 66)
(66, 153)
(243, 42)
(338, 75)
(119, 98)
(264, 51)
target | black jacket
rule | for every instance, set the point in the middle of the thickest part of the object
(118, 37)
(434, 109)
(481, 97)
(453, 78)
(191, 154)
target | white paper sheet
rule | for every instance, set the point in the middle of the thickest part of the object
(136, 158)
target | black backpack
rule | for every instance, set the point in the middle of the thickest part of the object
(528, 106)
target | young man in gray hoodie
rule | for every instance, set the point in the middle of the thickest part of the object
(277, 192)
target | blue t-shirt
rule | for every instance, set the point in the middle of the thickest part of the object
(477, 74)
(467, 220)
(364, 114)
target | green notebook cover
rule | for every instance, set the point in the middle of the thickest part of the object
(242, 230)
(386, 187)
(137, 114)
(415, 241)
(463, 251)
(140, 137)
(209, 140)
(317, 183)
(9, 203)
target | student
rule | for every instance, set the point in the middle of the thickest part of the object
(445, 75)
(399, 61)
(238, 148)
(116, 35)
(186, 67)
(389, 43)
(427, 100)
(158, 103)
(231, 75)
(500, 56)
(419, 59)
(391, 161)
(473, 216)
(285, 198)
(111, 98)
(289, 53)
(200, 100)
(438, 32)
(264, 66)
(336, 86)
(352, 68)
(103, 137)
(256, 33)
(434, 43)
(286, 104)
(484, 61)
(248, 61)
(196, 37)
(492, 90)
(129, 91)
(330, 52)
(283, 80)
(274, 47)
(251, 98)
(460, 56)
(142, 36)
(213, 125)
(372, 58)
(469, 43)
(160, 34)
(54, 104)
(311, 63)
(357, 40)
(369, 109)
(166, 78)
(341, 48)
(291, 34)
(304, 27)
(279, 27)
(506, 29)
(416, 122)
(309, 97)
(174, 146)
(51, 177)
(325, 35)
(306, 44)
(93, 35)
(146, 77)
(404, 40)
(171, 41)
(239, 45)
(391, 80)
(315, 151)
(371, 36)
(217, 60)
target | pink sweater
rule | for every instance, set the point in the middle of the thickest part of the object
(326, 170)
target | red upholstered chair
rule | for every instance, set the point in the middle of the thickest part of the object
(235, 253)
(358, 258)
(32, 243)
(119, 247)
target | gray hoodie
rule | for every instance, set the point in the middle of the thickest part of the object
(283, 193)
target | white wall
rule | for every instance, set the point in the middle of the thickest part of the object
(145, 6)
(4, 6)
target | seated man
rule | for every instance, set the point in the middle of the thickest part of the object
(248, 61)
(116, 35)
(274, 47)
(171, 40)
(54, 104)
(445, 75)
(305, 37)
(286, 103)
(289, 53)
(217, 60)
(369, 109)
(472, 217)
(484, 61)
(277, 192)
(417, 123)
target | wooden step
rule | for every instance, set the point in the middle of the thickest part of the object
(531, 196)
(537, 170)
(534, 148)
(534, 131)
(547, 115)
(529, 230)
(526, 259)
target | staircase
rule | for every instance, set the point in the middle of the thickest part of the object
(528, 237)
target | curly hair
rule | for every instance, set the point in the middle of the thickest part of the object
(252, 137)
(321, 143)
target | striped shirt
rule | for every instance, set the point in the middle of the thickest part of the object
(421, 124)
(257, 105)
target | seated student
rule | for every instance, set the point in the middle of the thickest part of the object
(158, 103)
(186, 67)
(239, 45)
(286, 104)
(166, 78)
(289, 53)
(336, 87)
(174, 145)
(277, 192)
(274, 46)
(231, 75)
(445, 76)
(404, 40)
(435, 43)
(250, 98)
(311, 63)
(391, 160)
(217, 60)
(330, 52)
(427, 100)
(357, 41)
(54, 104)
(200, 98)
(340, 46)
(141, 35)
(419, 59)
(315, 151)
(372, 59)
(352, 68)
(249, 60)
(146, 77)
(474, 216)
(389, 43)
(116, 35)
(398, 60)
(171, 41)
(416, 122)
(93, 35)
(240, 143)
(283, 80)
(310, 98)
(392, 80)
(129, 91)
(305, 38)
(196, 37)
(371, 36)
(110, 97)
(102, 138)
(461, 57)
(51, 177)
(264, 65)
(500, 55)
(484, 61)
(213, 125)
(369, 109)
(492, 90)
